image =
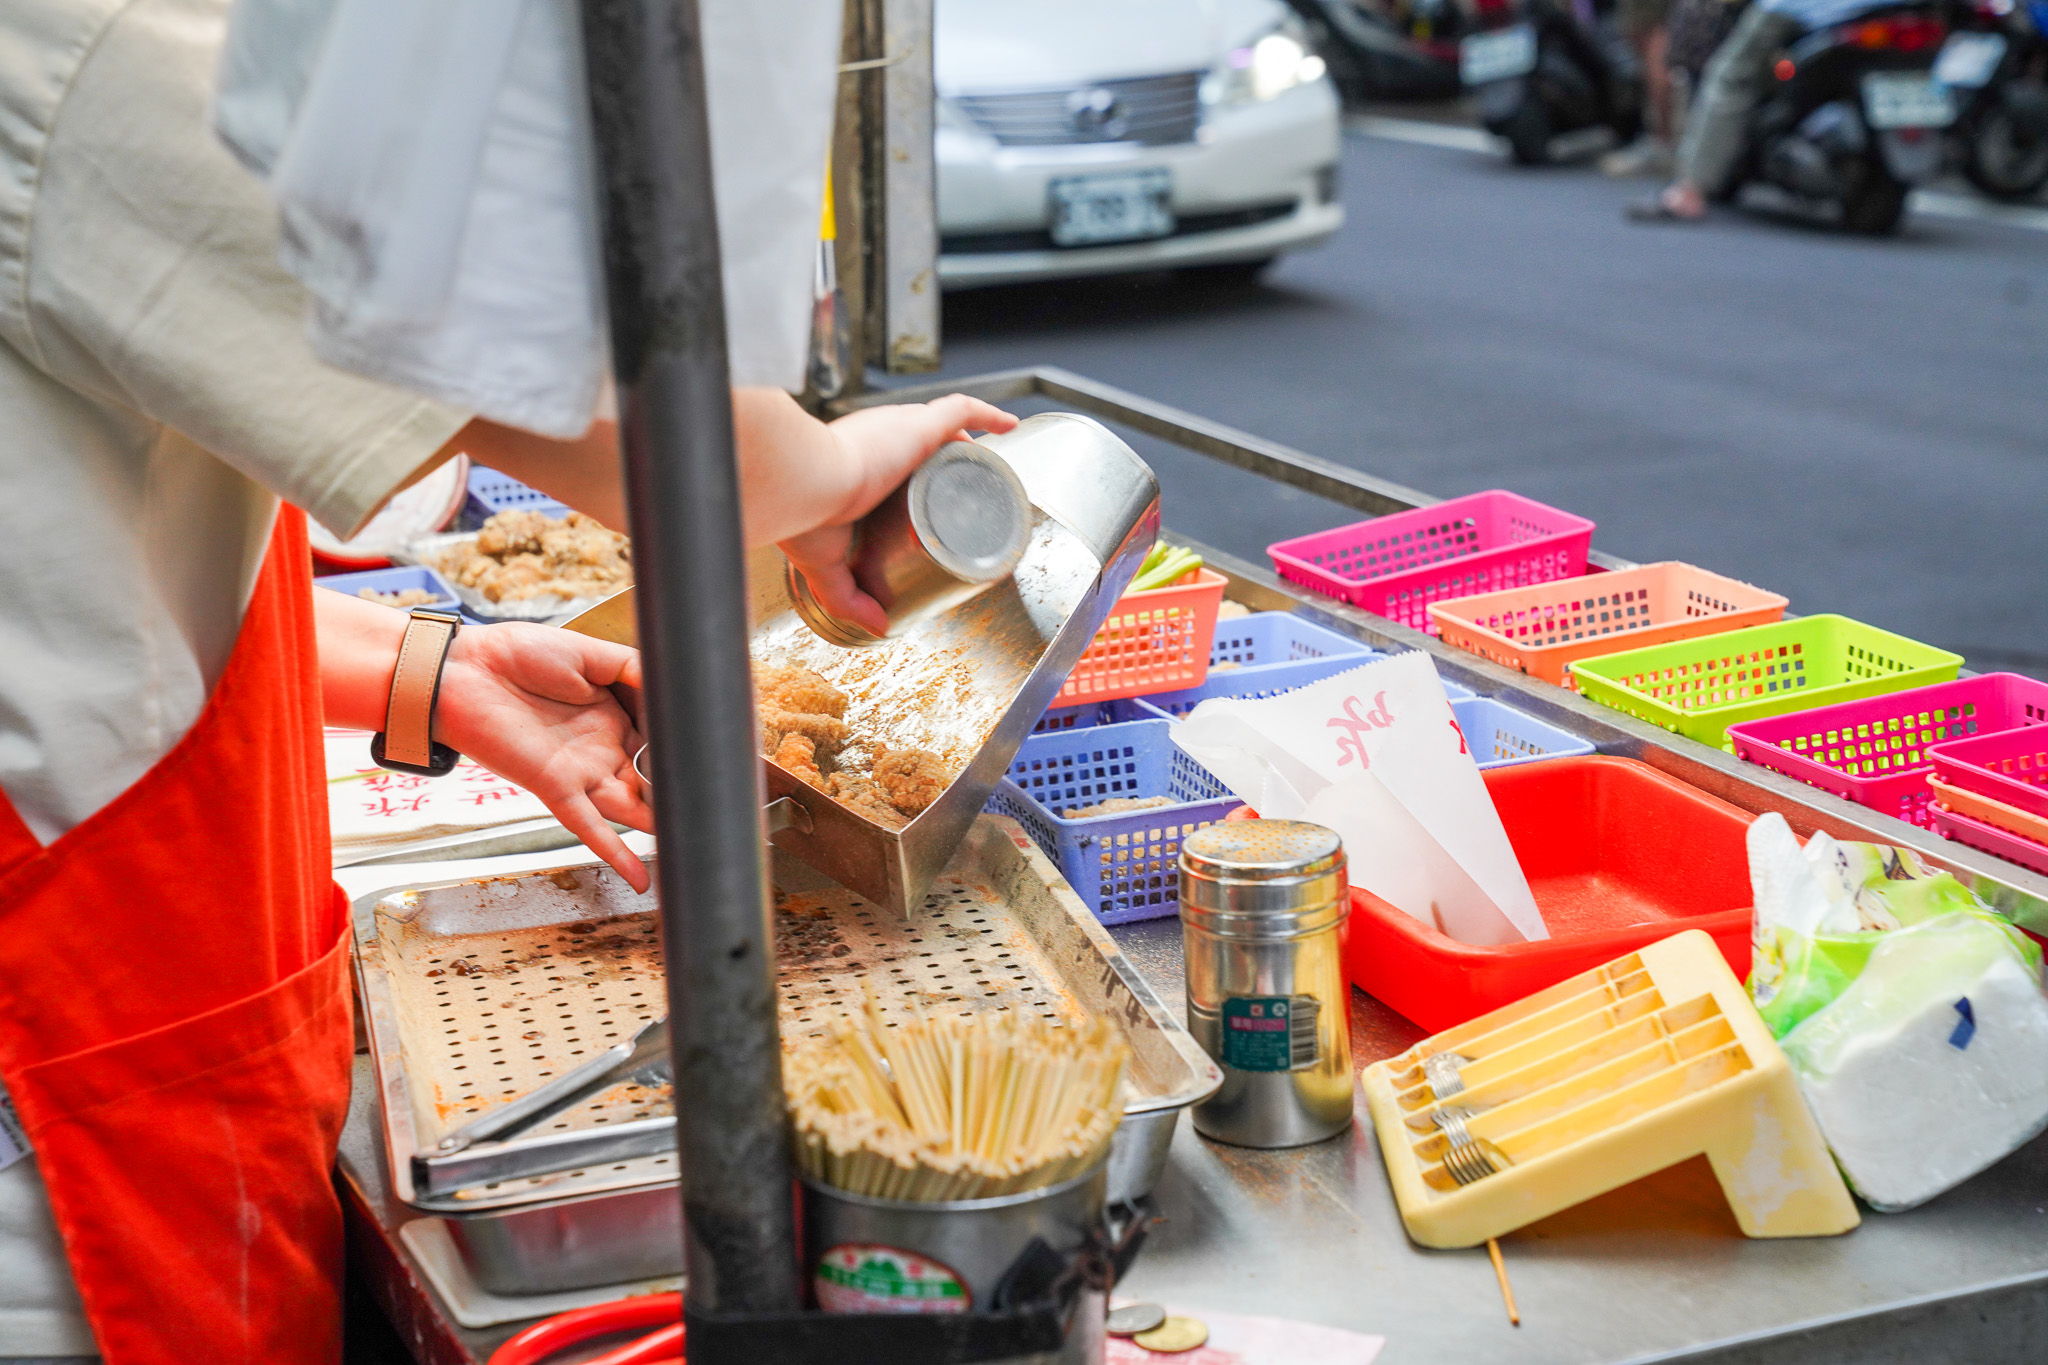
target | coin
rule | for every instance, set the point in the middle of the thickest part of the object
(1175, 1334)
(1134, 1318)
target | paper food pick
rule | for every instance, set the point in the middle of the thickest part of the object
(1376, 755)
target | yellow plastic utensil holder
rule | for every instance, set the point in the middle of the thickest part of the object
(1598, 1081)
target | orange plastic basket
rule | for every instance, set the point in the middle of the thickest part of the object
(1992, 812)
(1153, 641)
(1542, 629)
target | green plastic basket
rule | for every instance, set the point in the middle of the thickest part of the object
(1701, 687)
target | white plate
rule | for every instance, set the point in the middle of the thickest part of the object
(1968, 59)
(548, 610)
(1901, 99)
(1497, 56)
(1120, 206)
(412, 512)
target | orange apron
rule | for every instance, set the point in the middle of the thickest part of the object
(174, 1019)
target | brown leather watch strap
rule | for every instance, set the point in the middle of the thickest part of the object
(415, 682)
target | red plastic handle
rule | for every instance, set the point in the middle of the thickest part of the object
(578, 1325)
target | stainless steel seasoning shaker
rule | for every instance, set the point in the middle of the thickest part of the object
(1262, 908)
(955, 527)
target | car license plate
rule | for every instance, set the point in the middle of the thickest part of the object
(1126, 206)
(1893, 99)
(1498, 56)
(1968, 59)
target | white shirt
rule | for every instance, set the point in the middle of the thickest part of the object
(156, 396)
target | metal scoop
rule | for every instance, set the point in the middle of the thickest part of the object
(968, 683)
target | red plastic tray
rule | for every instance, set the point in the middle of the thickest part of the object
(1618, 855)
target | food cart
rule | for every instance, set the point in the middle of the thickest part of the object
(1656, 1271)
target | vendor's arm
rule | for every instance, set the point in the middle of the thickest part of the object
(529, 702)
(803, 482)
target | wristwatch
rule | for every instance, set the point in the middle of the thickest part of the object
(406, 743)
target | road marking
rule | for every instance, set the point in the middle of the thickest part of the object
(1936, 204)
(1930, 203)
(1425, 134)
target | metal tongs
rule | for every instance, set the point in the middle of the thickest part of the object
(484, 1150)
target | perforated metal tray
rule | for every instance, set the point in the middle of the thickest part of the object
(477, 991)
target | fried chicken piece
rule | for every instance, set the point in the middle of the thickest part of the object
(796, 754)
(819, 729)
(797, 690)
(862, 795)
(911, 778)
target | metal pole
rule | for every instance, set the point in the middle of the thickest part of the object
(645, 64)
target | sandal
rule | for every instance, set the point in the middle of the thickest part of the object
(1659, 210)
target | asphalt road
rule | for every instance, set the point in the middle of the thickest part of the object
(1861, 425)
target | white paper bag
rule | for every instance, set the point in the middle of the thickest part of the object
(1376, 755)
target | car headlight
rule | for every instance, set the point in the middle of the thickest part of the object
(1275, 64)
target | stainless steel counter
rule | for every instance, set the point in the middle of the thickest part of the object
(1653, 1272)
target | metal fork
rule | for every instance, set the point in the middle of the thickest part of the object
(1440, 1069)
(1466, 1157)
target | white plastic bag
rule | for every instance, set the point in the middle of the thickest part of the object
(1912, 1013)
(1376, 754)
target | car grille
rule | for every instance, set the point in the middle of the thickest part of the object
(1152, 110)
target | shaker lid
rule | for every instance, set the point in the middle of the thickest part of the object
(1259, 850)
(971, 512)
(1263, 880)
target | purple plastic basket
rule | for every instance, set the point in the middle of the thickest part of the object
(394, 580)
(1397, 565)
(491, 493)
(1875, 751)
(2009, 766)
(1124, 867)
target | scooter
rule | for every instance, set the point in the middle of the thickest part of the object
(1997, 66)
(1542, 68)
(1387, 49)
(1856, 118)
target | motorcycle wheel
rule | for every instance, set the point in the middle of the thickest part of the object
(1528, 133)
(2003, 159)
(1875, 204)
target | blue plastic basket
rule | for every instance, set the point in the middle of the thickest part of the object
(491, 493)
(1266, 680)
(1277, 637)
(1093, 713)
(1500, 736)
(1124, 867)
(396, 579)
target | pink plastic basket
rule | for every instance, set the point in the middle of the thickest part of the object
(1991, 839)
(1875, 751)
(1397, 565)
(2011, 766)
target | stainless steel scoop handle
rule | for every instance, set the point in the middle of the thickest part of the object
(645, 1053)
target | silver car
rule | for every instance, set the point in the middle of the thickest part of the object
(1088, 137)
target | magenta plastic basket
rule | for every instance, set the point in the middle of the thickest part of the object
(1989, 838)
(2010, 766)
(1875, 752)
(1397, 565)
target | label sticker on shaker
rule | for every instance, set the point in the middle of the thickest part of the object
(861, 1277)
(1270, 1032)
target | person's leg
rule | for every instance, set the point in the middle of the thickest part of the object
(1730, 88)
(1650, 153)
(1656, 47)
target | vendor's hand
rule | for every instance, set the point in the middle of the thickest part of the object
(532, 704)
(806, 483)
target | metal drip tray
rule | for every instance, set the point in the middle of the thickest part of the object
(479, 991)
